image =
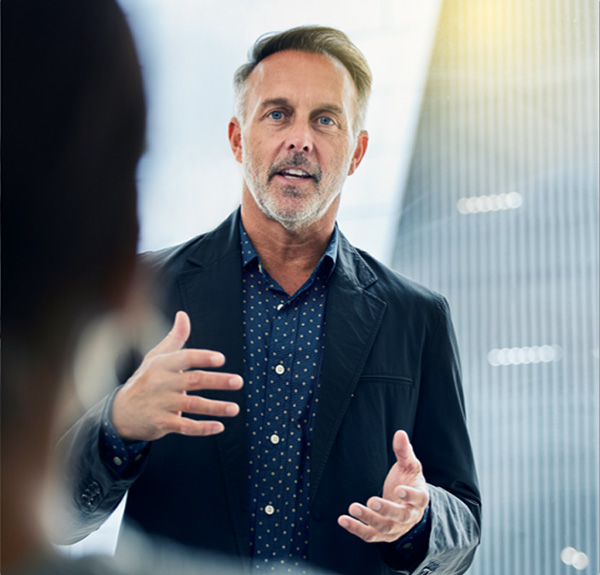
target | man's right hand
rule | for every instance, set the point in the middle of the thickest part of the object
(152, 402)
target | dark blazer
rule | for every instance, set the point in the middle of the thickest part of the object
(390, 362)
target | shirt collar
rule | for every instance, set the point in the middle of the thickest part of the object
(249, 253)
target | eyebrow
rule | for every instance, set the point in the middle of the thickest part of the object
(330, 108)
(274, 102)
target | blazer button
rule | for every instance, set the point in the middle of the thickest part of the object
(90, 498)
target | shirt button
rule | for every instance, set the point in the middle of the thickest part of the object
(269, 510)
(279, 307)
(279, 369)
(117, 461)
(274, 439)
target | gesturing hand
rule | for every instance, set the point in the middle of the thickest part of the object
(152, 402)
(405, 498)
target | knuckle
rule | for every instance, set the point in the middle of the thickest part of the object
(189, 403)
(163, 426)
(205, 430)
(182, 357)
(191, 378)
(182, 426)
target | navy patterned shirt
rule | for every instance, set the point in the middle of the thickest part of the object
(283, 347)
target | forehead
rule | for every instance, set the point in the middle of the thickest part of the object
(301, 77)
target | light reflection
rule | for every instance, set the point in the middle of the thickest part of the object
(524, 355)
(492, 203)
(577, 559)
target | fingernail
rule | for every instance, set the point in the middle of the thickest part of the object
(217, 358)
(231, 409)
(218, 428)
(358, 512)
(375, 506)
(235, 382)
(402, 494)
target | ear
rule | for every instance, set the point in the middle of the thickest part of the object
(361, 147)
(234, 133)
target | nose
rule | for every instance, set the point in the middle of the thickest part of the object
(299, 138)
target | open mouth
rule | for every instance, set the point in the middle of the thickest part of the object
(294, 174)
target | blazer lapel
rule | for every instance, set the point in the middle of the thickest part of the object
(352, 320)
(211, 289)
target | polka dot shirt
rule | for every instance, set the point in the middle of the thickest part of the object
(283, 348)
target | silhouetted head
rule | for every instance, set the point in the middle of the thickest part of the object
(73, 130)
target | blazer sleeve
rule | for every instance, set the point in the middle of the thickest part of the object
(441, 442)
(91, 490)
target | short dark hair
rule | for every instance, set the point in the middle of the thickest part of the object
(313, 39)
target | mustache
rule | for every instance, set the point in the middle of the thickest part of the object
(297, 160)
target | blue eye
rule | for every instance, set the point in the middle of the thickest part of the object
(276, 115)
(325, 121)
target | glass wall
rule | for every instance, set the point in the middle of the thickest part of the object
(500, 214)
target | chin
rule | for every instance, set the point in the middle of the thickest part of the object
(292, 221)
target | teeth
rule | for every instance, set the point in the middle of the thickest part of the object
(292, 172)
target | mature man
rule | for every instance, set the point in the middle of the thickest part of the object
(349, 447)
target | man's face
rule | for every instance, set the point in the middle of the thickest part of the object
(297, 142)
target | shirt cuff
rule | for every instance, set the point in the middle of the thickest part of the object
(123, 458)
(410, 550)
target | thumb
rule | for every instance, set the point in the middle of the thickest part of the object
(176, 338)
(402, 447)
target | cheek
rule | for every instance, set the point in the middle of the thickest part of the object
(255, 151)
(342, 161)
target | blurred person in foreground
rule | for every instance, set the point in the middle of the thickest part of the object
(347, 446)
(73, 119)
(73, 128)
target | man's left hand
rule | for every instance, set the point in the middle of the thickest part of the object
(404, 500)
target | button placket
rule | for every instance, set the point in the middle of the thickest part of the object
(276, 406)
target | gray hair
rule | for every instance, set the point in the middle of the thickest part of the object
(316, 40)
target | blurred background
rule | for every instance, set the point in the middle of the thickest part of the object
(480, 181)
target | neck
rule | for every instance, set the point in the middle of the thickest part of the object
(288, 256)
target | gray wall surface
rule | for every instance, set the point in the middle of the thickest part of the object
(500, 214)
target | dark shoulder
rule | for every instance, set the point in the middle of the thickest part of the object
(394, 287)
(197, 251)
(172, 258)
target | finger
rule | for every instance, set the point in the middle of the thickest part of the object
(176, 338)
(191, 358)
(384, 510)
(418, 498)
(203, 406)
(402, 447)
(195, 380)
(405, 455)
(386, 517)
(365, 532)
(187, 426)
